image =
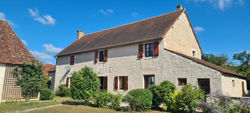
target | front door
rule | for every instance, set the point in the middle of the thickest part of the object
(204, 84)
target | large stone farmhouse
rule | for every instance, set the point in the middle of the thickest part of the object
(147, 52)
(12, 53)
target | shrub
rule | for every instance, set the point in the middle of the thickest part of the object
(139, 99)
(46, 94)
(46, 82)
(63, 91)
(102, 98)
(162, 93)
(84, 84)
(187, 99)
(116, 101)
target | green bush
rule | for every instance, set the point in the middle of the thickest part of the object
(187, 99)
(139, 99)
(162, 94)
(116, 101)
(102, 98)
(63, 91)
(84, 84)
(46, 94)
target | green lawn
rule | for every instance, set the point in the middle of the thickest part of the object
(82, 109)
(12, 106)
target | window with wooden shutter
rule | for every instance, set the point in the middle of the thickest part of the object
(140, 50)
(116, 83)
(156, 48)
(105, 56)
(149, 80)
(68, 82)
(96, 56)
(182, 81)
(126, 83)
(104, 83)
(72, 60)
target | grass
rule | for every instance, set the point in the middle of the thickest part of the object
(11, 106)
(82, 109)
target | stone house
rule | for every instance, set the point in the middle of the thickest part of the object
(147, 52)
(12, 53)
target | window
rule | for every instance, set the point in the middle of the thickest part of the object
(68, 81)
(72, 60)
(149, 80)
(233, 83)
(204, 84)
(101, 56)
(149, 49)
(123, 83)
(104, 83)
(194, 53)
(182, 81)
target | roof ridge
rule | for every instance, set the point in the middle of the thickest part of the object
(135, 22)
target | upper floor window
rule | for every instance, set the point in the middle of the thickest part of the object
(101, 56)
(72, 60)
(194, 53)
(149, 49)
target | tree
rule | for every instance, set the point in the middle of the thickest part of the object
(220, 60)
(84, 84)
(30, 77)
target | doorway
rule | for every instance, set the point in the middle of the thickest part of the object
(204, 84)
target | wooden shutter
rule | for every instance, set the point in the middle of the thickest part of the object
(105, 56)
(105, 82)
(96, 56)
(67, 82)
(140, 51)
(156, 48)
(116, 83)
(126, 83)
(72, 60)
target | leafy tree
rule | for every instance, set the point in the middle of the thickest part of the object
(30, 77)
(220, 60)
(46, 82)
(84, 84)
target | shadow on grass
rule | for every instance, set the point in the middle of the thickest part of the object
(74, 102)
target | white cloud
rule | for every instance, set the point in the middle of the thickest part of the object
(198, 29)
(24, 42)
(106, 11)
(222, 4)
(45, 19)
(42, 55)
(51, 48)
(134, 14)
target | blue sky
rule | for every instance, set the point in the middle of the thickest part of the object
(48, 26)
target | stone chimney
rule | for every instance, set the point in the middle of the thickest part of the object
(79, 34)
(179, 7)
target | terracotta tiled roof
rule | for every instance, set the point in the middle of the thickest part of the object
(208, 64)
(48, 68)
(12, 50)
(145, 30)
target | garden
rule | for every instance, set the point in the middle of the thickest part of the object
(84, 95)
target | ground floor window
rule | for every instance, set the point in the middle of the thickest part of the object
(122, 82)
(182, 81)
(149, 80)
(204, 84)
(104, 83)
(68, 81)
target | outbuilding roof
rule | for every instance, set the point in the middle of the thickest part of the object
(144, 30)
(12, 50)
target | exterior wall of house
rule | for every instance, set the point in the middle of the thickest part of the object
(233, 89)
(180, 38)
(176, 66)
(2, 73)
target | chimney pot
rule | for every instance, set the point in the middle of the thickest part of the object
(80, 34)
(179, 7)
